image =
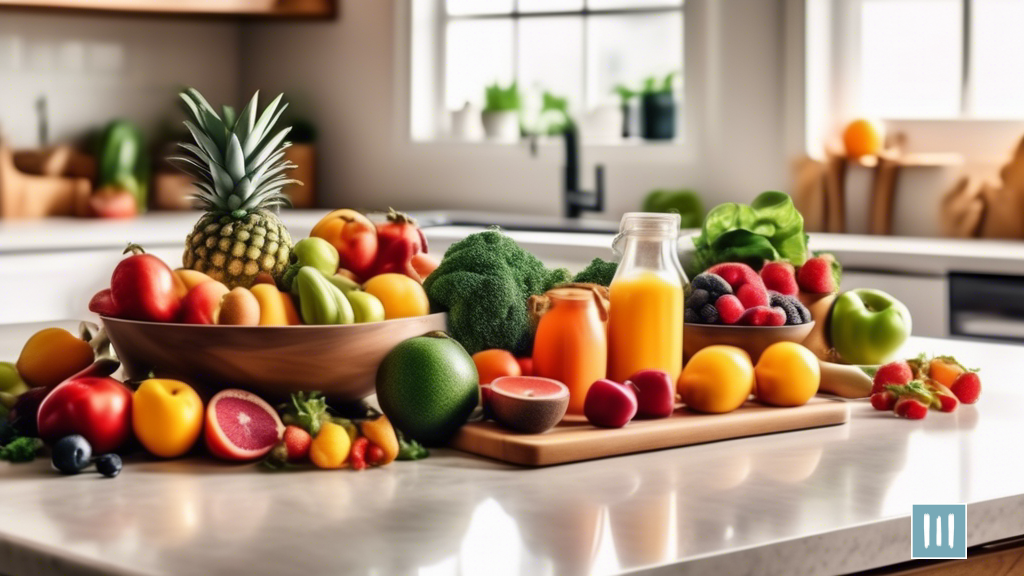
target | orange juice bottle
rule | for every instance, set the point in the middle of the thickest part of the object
(645, 317)
(571, 345)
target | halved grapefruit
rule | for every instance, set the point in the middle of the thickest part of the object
(240, 426)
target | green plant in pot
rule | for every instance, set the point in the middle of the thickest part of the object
(658, 108)
(501, 112)
(626, 96)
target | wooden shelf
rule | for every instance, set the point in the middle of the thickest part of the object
(297, 9)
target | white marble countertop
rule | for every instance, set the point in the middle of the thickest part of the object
(902, 255)
(823, 501)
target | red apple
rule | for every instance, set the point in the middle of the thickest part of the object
(89, 403)
(201, 304)
(655, 393)
(609, 404)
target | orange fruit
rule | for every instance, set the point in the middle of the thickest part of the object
(863, 138)
(401, 296)
(945, 371)
(495, 363)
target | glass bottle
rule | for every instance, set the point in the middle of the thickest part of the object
(571, 345)
(645, 317)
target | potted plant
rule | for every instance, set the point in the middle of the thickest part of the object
(658, 109)
(626, 95)
(501, 113)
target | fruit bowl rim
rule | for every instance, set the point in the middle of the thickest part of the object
(738, 327)
(286, 327)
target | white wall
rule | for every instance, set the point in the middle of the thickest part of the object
(93, 68)
(352, 76)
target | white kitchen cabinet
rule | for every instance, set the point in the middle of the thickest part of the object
(927, 297)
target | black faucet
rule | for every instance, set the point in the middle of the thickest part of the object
(578, 201)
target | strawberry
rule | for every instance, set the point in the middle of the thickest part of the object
(815, 276)
(357, 454)
(947, 401)
(897, 373)
(884, 400)
(910, 408)
(780, 277)
(736, 274)
(967, 387)
(763, 316)
(297, 441)
(729, 309)
(752, 295)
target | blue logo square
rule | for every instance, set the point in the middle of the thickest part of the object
(938, 531)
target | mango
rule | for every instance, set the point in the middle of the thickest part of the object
(51, 356)
(276, 307)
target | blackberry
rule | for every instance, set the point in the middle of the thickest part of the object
(792, 307)
(709, 314)
(713, 283)
(698, 298)
(691, 316)
(805, 314)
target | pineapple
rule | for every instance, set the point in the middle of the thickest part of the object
(239, 170)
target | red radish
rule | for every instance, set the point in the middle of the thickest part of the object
(240, 426)
(610, 404)
(815, 276)
(884, 400)
(297, 441)
(398, 241)
(142, 287)
(781, 277)
(910, 408)
(895, 373)
(729, 309)
(967, 387)
(655, 393)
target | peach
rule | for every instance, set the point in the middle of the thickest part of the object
(202, 303)
(239, 307)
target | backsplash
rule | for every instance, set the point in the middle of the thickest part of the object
(94, 68)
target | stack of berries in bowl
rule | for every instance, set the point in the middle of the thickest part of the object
(911, 387)
(733, 293)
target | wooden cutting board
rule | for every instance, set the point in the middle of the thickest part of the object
(575, 440)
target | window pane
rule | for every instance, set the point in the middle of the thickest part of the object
(478, 53)
(612, 4)
(549, 5)
(997, 69)
(628, 49)
(463, 7)
(911, 58)
(551, 58)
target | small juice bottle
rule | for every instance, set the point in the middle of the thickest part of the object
(645, 317)
(571, 345)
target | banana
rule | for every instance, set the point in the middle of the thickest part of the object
(845, 380)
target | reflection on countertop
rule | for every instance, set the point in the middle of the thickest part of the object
(824, 501)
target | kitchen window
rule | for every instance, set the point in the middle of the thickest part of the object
(579, 50)
(947, 71)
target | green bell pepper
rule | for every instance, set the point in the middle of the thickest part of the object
(321, 302)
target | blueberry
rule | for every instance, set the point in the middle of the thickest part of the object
(698, 298)
(713, 283)
(109, 465)
(71, 454)
(709, 314)
(690, 316)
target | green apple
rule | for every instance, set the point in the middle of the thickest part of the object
(868, 326)
(10, 380)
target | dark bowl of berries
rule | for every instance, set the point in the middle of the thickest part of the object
(731, 304)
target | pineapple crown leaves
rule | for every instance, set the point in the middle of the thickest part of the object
(237, 160)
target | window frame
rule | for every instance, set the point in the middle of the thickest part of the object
(441, 18)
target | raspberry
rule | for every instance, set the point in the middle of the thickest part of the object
(815, 276)
(698, 298)
(780, 277)
(895, 373)
(729, 308)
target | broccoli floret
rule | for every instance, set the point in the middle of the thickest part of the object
(483, 283)
(597, 272)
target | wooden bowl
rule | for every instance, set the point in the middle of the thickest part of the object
(272, 361)
(753, 339)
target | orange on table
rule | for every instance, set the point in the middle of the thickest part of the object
(717, 379)
(495, 363)
(863, 138)
(401, 296)
(645, 326)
